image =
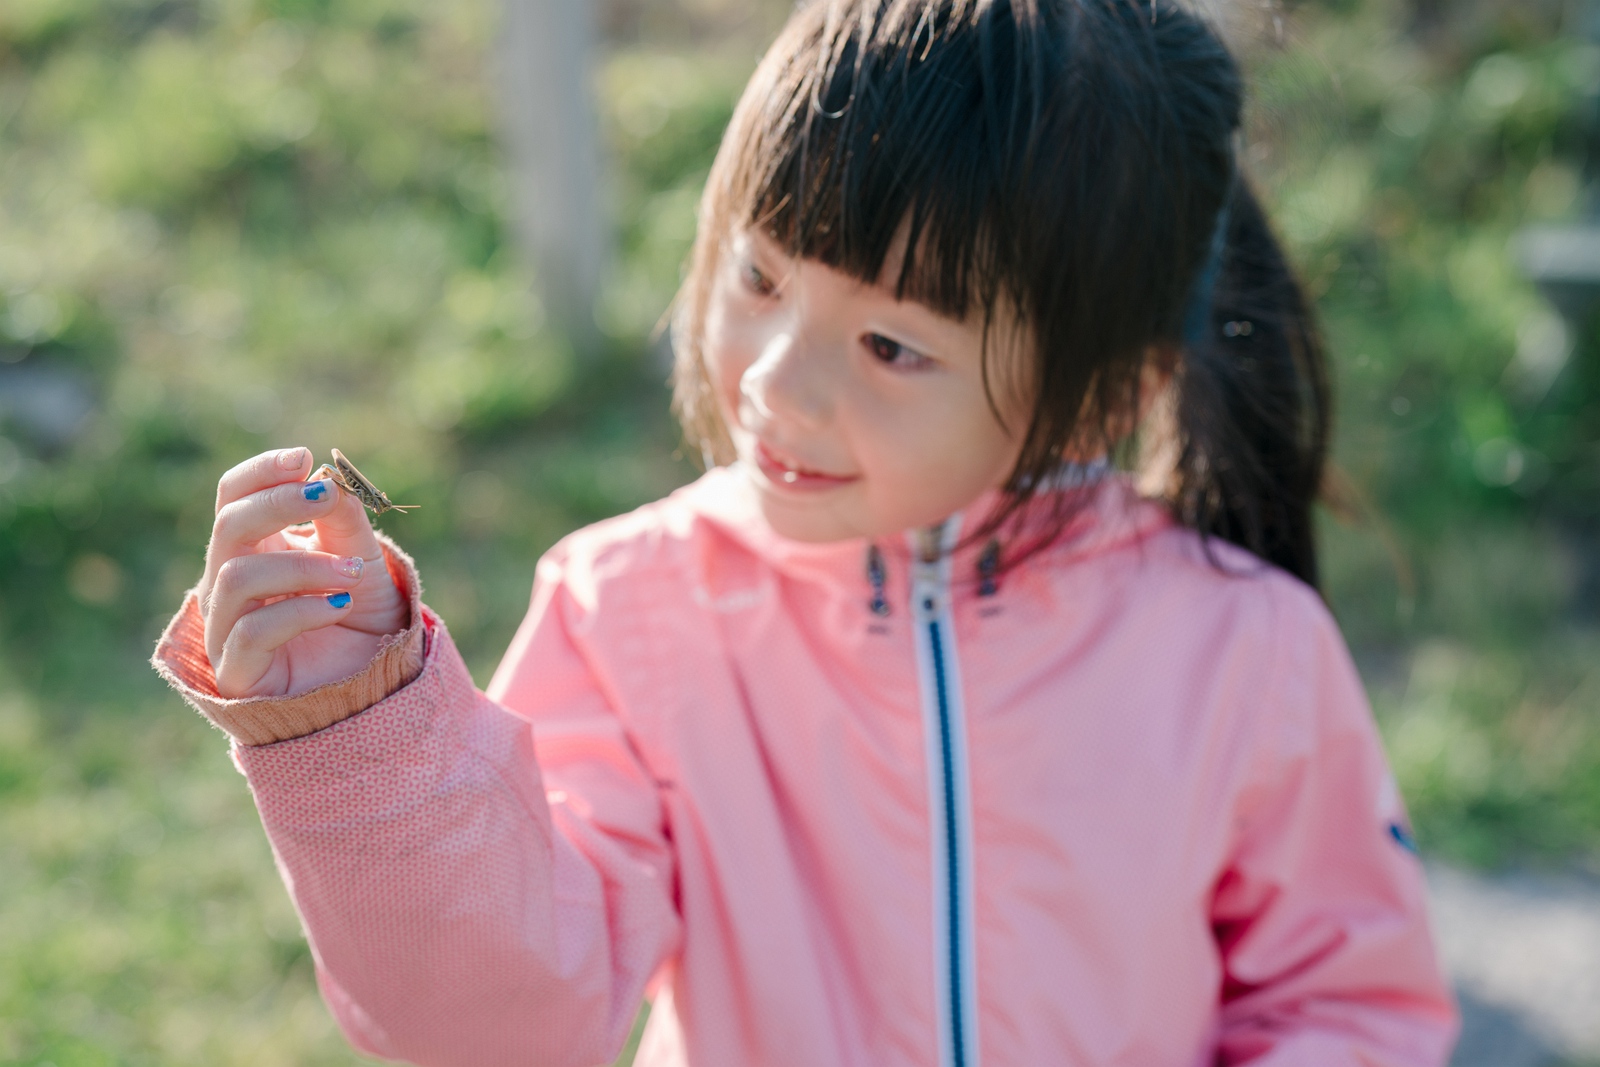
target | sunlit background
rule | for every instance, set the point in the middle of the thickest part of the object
(227, 225)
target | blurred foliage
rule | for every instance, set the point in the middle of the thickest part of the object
(227, 225)
(1401, 173)
(142, 924)
(235, 224)
(1403, 146)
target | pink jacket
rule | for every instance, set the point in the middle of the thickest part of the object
(1119, 807)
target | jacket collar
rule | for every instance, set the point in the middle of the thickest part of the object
(1111, 514)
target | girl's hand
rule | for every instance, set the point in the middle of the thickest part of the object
(288, 607)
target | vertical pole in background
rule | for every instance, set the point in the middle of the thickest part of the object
(549, 129)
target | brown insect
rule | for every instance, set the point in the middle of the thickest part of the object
(343, 473)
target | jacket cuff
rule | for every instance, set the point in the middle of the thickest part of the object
(180, 658)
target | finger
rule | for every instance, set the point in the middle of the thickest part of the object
(246, 522)
(248, 652)
(262, 471)
(346, 530)
(245, 583)
(381, 604)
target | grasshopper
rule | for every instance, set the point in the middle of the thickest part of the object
(343, 473)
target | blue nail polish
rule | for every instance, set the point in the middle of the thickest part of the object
(339, 600)
(315, 490)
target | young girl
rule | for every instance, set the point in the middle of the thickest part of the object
(912, 733)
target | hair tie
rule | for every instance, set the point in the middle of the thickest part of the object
(1197, 318)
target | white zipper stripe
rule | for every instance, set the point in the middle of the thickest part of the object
(945, 741)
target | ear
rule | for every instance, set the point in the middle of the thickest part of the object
(1154, 400)
(1158, 422)
(1155, 377)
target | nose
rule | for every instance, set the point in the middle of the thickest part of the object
(788, 383)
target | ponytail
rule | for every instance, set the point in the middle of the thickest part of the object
(1253, 401)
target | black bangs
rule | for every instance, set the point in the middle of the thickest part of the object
(1012, 150)
(885, 130)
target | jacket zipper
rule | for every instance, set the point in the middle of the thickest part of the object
(944, 729)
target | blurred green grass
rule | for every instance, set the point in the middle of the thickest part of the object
(245, 223)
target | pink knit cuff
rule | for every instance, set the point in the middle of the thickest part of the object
(181, 659)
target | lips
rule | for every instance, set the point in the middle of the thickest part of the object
(786, 473)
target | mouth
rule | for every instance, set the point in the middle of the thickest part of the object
(786, 473)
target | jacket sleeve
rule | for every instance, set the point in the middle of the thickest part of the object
(1321, 916)
(458, 910)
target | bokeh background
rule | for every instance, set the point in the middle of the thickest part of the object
(228, 225)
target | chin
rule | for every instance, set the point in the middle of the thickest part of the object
(814, 526)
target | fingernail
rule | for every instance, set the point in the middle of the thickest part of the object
(350, 566)
(291, 458)
(316, 490)
(339, 600)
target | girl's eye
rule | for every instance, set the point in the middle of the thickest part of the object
(892, 353)
(756, 281)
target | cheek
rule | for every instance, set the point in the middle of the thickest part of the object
(937, 460)
(970, 455)
(728, 353)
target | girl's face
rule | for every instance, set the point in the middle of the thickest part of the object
(854, 414)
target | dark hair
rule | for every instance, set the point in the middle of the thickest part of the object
(1073, 159)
